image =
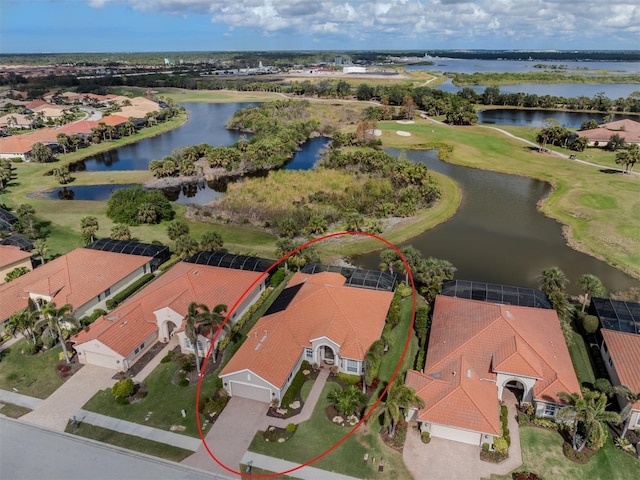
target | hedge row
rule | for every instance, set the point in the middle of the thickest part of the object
(130, 290)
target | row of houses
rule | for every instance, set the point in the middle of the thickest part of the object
(481, 343)
(19, 146)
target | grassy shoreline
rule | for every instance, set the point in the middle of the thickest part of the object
(541, 77)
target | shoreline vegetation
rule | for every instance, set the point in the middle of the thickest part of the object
(540, 77)
(601, 233)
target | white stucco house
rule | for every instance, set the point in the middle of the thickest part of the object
(157, 313)
(316, 318)
(477, 350)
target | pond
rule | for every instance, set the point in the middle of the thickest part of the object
(206, 124)
(498, 236)
(536, 118)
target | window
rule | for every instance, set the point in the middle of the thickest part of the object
(187, 343)
(610, 362)
(107, 292)
(141, 345)
(144, 268)
(308, 352)
(550, 410)
(352, 366)
(638, 420)
(136, 351)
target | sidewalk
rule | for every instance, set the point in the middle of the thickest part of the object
(276, 465)
(155, 361)
(20, 399)
(309, 404)
(137, 430)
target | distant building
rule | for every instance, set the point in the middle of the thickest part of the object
(354, 69)
(629, 130)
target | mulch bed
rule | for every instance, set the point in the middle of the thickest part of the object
(577, 457)
(397, 442)
(142, 362)
(332, 413)
(285, 411)
(66, 370)
(276, 434)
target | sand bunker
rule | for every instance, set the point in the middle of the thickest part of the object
(402, 133)
(405, 122)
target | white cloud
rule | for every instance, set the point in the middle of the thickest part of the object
(558, 21)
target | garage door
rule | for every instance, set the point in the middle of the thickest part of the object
(93, 358)
(456, 434)
(250, 391)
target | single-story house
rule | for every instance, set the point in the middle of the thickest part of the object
(316, 318)
(11, 257)
(16, 120)
(627, 129)
(114, 120)
(476, 350)
(83, 278)
(20, 146)
(621, 354)
(117, 340)
(619, 342)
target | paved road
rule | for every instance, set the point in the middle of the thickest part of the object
(93, 114)
(29, 452)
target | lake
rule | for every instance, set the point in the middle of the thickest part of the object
(536, 118)
(497, 235)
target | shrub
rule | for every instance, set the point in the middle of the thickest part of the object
(544, 422)
(347, 378)
(294, 388)
(183, 382)
(590, 323)
(426, 438)
(168, 357)
(500, 445)
(127, 292)
(111, 304)
(485, 447)
(49, 342)
(277, 277)
(123, 388)
(30, 349)
(291, 428)
(271, 435)
(420, 360)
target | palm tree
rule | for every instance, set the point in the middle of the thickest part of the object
(22, 321)
(55, 318)
(211, 241)
(40, 248)
(553, 282)
(177, 228)
(199, 316)
(147, 213)
(89, 226)
(120, 232)
(400, 398)
(348, 400)
(186, 246)
(591, 286)
(590, 411)
(372, 361)
(632, 398)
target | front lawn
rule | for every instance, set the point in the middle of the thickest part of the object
(129, 442)
(542, 454)
(30, 375)
(318, 434)
(13, 411)
(164, 399)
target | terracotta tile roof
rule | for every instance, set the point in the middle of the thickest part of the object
(24, 143)
(83, 126)
(351, 317)
(126, 327)
(73, 278)
(624, 349)
(36, 103)
(481, 338)
(10, 254)
(114, 120)
(627, 129)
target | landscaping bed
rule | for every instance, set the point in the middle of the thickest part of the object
(292, 401)
(278, 434)
(341, 420)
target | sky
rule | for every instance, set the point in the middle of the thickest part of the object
(64, 26)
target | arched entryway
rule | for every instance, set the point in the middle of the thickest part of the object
(167, 331)
(515, 388)
(327, 355)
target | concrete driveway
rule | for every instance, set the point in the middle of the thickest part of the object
(231, 435)
(445, 459)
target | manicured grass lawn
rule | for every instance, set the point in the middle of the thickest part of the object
(542, 454)
(13, 411)
(260, 471)
(30, 375)
(606, 233)
(164, 399)
(129, 442)
(318, 434)
(580, 359)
